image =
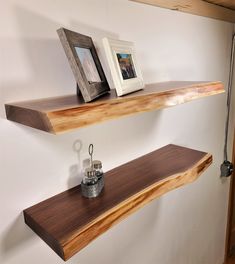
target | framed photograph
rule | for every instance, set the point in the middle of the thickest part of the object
(125, 70)
(85, 64)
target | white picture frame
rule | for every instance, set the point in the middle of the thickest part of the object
(125, 71)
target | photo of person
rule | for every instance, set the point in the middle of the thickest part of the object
(126, 66)
(88, 64)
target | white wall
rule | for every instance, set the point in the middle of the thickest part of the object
(185, 226)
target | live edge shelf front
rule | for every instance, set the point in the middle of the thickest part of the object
(68, 222)
(60, 114)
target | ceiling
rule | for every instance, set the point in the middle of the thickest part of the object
(218, 9)
(225, 3)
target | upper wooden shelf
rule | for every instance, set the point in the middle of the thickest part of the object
(68, 222)
(60, 114)
(217, 9)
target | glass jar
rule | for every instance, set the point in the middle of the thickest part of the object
(97, 166)
(90, 177)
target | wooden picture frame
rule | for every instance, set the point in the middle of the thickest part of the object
(85, 64)
(125, 70)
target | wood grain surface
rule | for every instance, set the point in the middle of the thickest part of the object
(230, 260)
(225, 3)
(230, 232)
(68, 222)
(61, 114)
(196, 7)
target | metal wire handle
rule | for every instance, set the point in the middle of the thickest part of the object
(90, 151)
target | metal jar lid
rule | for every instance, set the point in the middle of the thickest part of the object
(89, 172)
(97, 164)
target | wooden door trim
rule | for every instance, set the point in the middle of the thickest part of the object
(230, 209)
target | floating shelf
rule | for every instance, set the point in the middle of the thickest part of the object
(217, 9)
(68, 222)
(60, 114)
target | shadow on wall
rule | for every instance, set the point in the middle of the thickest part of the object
(83, 162)
(75, 170)
(15, 236)
(35, 65)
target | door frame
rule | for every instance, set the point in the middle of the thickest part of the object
(229, 250)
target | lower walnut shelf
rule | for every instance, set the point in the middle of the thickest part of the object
(68, 222)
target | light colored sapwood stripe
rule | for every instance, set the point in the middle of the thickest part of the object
(69, 119)
(83, 237)
(196, 7)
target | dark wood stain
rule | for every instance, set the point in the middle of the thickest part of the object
(29, 117)
(230, 232)
(67, 222)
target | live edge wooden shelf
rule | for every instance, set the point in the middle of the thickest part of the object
(68, 222)
(60, 114)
